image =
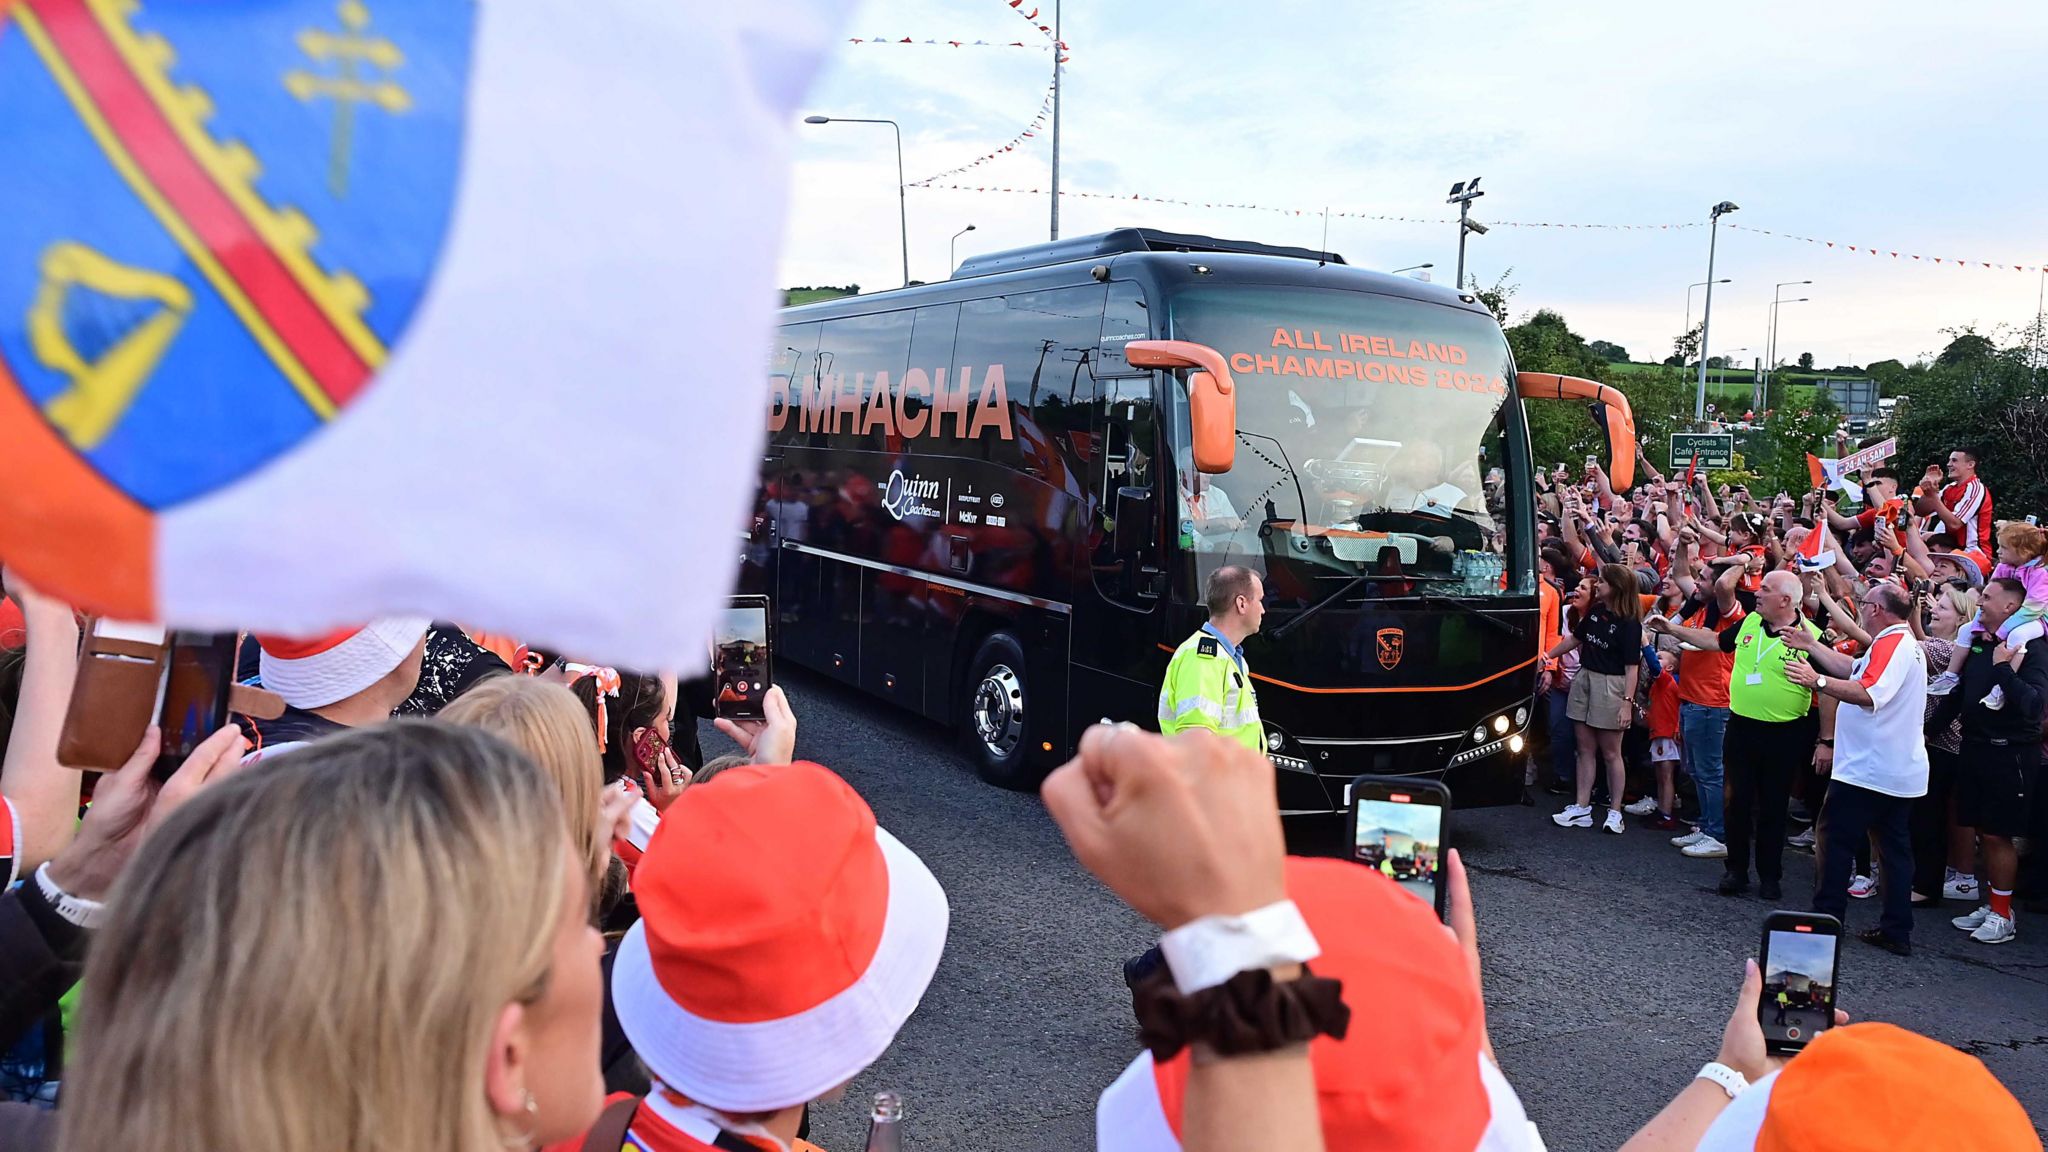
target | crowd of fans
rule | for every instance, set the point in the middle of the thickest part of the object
(1859, 674)
(457, 894)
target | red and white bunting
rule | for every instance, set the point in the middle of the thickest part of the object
(1879, 251)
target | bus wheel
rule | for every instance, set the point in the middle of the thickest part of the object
(997, 723)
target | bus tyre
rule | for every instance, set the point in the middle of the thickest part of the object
(997, 719)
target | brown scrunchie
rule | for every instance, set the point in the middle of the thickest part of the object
(1250, 1012)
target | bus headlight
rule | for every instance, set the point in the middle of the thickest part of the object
(1515, 743)
(1275, 741)
(1479, 734)
(1521, 717)
(1500, 723)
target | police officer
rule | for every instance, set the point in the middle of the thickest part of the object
(1207, 682)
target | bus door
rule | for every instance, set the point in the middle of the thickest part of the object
(1130, 496)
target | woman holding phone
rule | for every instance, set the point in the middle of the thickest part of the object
(1609, 639)
(235, 1001)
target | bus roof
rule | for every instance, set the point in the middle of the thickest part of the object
(1069, 262)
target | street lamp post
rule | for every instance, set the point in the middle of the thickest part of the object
(1463, 193)
(1410, 268)
(1699, 406)
(1771, 344)
(1057, 51)
(1688, 302)
(953, 246)
(902, 198)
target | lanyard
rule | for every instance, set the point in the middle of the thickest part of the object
(1763, 650)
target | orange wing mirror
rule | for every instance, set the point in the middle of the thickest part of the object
(1620, 418)
(1212, 396)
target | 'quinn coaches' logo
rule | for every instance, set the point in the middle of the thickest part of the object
(910, 496)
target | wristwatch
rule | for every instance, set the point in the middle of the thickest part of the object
(1829, 741)
(1732, 1082)
(1820, 683)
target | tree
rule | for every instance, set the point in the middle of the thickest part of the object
(1776, 452)
(1966, 348)
(1685, 347)
(1987, 398)
(1806, 361)
(1496, 298)
(1564, 432)
(1717, 361)
(1612, 353)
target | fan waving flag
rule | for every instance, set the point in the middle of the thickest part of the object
(316, 312)
(1817, 550)
(1832, 474)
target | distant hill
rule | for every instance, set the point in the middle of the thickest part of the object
(791, 297)
(1730, 389)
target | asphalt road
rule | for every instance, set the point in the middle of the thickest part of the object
(1610, 961)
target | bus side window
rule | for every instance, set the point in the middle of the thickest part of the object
(857, 352)
(792, 368)
(1124, 319)
(931, 352)
(1045, 344)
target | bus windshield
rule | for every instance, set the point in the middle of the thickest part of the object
(1373, 441)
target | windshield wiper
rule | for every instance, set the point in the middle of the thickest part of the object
(1433, 599)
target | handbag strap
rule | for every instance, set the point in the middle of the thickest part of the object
(609, 1133)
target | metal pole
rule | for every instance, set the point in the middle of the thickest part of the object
(2040, 302)
(1771, 343)
(903, 206)
(1699, 406)
(1464, 210)
(1056, 120)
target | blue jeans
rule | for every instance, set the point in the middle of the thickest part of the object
(1564, 742)
(1703, 730)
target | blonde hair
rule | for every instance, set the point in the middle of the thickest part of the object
(547, 722)
(1963, 600)
(312, 956)
(714, 767)
(2024, 538)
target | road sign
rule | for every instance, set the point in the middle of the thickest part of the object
(1716, 449)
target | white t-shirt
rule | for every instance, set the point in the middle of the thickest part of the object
(1881, 747)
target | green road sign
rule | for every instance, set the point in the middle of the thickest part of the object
(1716, 449)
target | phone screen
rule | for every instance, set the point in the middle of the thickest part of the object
(1798, 964)
(740, 658)
(195, 694)
(1397, 828)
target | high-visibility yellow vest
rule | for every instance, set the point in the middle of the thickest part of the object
(1206, 688)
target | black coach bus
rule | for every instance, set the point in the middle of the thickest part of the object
(996, 500)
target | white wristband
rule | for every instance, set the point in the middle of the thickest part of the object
(1206, 952)
(75, 909)
(1732, 1082)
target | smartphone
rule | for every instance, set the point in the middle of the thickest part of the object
(1398, 827)
(742, 658)
(1798, 962)
(1592, 462)
(194, 698)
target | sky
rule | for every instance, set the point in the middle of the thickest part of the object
(1421, 820)
(1882, 124)
(1794, 952)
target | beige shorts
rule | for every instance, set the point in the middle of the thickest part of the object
(1596, 700)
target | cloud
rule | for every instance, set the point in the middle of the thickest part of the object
(1867, 123)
